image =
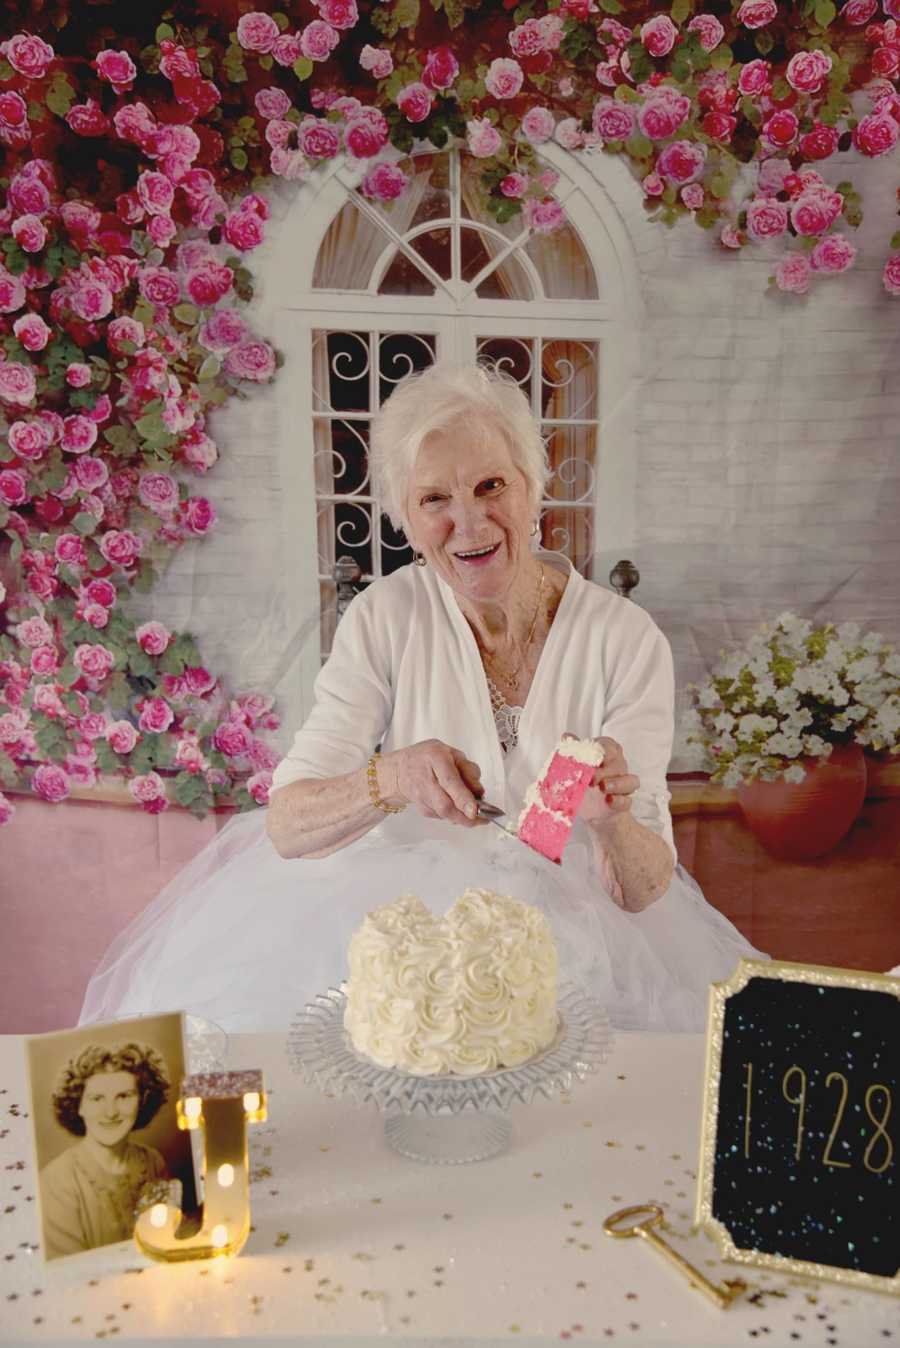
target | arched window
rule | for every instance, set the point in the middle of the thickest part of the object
(397, 285)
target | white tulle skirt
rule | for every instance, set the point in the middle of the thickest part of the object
(245, 938)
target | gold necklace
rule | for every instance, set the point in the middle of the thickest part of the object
(511, 678)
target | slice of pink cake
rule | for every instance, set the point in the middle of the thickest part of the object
(552, 803)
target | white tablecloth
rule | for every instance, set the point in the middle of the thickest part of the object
(352, 1243)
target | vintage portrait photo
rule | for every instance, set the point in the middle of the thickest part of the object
(104, 1126)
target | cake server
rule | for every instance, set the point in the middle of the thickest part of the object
(493, 814)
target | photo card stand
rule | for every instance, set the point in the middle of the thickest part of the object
(799, 1156)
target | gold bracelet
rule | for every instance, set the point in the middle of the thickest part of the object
(380, 804)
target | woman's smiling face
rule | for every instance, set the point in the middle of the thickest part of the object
(109, 1106)
(469, 513)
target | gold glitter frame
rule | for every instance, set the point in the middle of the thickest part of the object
(785, 972)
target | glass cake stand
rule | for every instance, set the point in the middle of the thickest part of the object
(447, 1120)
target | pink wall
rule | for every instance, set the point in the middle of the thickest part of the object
(71, 877)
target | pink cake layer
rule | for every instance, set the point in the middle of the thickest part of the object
(561, 791)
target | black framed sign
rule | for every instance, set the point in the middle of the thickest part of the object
(800, 1151)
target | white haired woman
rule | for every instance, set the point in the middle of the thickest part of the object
(449, 680)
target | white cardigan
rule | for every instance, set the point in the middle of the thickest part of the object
(405, 667)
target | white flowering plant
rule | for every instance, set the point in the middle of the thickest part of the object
(794, 691)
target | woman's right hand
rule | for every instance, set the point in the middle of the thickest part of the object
(435, 778)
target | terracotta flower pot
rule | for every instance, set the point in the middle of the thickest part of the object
(796, 821)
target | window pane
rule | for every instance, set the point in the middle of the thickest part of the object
(434, 247)
(403, 277)
(569, 379)
(399, 353)
(563, 264)
(340, 371)
(514, 356)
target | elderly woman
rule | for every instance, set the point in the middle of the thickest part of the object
(90, 1190)
(450, 680)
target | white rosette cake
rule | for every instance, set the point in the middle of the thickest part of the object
(469, 992)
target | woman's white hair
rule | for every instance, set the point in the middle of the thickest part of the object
(438, 398)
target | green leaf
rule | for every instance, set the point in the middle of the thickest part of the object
(406, 13)
(6, 454)
(680, 11)
(751, 111)
(139, 663)
(281, 19)
(145, 579)
(722, 58)
(209, 369)
(60, 96)
(302, 67)
(189, 787)
(265, 61)
(170, 662)
(895, 240)
(165, 30)
(764, 42)
(781, 89)
(239, 158)
(6, 70)
(186, 313)
(639, 147)
(85, 522)
(611, 6)
(719, 184)
(825, 12)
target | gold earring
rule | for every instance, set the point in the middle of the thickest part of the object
(419, 558)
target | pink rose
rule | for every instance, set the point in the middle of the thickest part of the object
(537, 125)
(793, 274)
(482, 138)
(158, 492)
(93, 725)
(29, 439)
(858, 12)
(514, 185)
(155, 193)
(318, 40)
(659, 35)
(890, 277)
(527, 39)
(50, 783)
(815, 212)
(663, 113)
(13, 487)
(692, 196)
(278, 134)
(69, 548)
(30, 232)
(287, 48)
(198, 680)
(288, 164)
(755, 77)
(682, 161)
(414, 101)
(832, 254)
(807, 71)
(32, 332)
(28, 195)
(272, 102)
(820, 142)
(441, 68)
(757, 13)
(120, 546)
(28, 55)
(708, 29)
(44, 661)
(384, 182)
(730, 237)
(79, 433)
(124, 329)
(257, 32)
(504, 77)
(159, 285)
(134, 122)
(34, 632)
(243, 230)
(653, 185)
(197, 514)
(149, 790)
(553, 28)
(7, 809)
(13, 110)
(876, 134)
(568, 133)
(156, 716)
(780, 130)
(886, 62)
(719, 126)
(117, 68)
(95, 614)
(153, 637)
(91, 300)
(341, 14)
(101, 591)
(318, 139)
(162, 230)
(544, 216)
(378, 62)
(121, 736)
(78, 375)
(232, 738)
(767, 218)
(12, 292)
(251, 360)
(259, 786)
(209, 283)
(223, 330)
(189, 756)
(95, 662)
(363, 139)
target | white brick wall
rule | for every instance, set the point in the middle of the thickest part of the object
(767, 448)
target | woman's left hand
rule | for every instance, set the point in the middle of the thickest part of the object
(611, 790)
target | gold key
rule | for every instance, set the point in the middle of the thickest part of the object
(651, 1215)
